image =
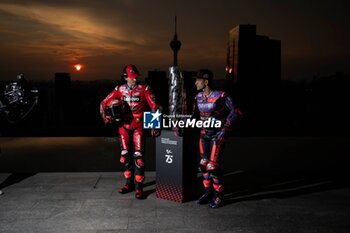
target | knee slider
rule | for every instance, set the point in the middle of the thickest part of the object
(203, 165)
(123, 156)
(138, 159)
(212, 166)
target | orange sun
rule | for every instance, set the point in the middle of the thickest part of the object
(78, 67)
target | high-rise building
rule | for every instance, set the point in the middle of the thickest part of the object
(252, 59)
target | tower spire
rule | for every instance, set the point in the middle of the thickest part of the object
(175, 25)
(175, 44)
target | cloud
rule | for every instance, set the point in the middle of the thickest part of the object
(109, 32)
(70, 32)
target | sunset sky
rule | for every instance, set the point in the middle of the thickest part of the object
(39, 38)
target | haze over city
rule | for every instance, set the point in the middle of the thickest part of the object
(40, 38)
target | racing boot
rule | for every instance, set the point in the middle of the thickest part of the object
(139, 193)
(204, 199)
(216, 202)
(129, 185)
(208, 190)
(139, 187)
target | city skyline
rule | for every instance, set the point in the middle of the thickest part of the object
(40, 38)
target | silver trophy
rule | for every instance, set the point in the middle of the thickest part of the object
(176, 93)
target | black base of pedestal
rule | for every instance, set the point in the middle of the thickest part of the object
(176, 164)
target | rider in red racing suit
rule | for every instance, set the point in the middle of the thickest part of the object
(136, 96)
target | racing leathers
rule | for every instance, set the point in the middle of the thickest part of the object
(137, 98)
(218, 106)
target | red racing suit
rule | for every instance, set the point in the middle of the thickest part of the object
(136, 98)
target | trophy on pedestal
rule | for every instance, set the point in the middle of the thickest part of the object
(175, 154)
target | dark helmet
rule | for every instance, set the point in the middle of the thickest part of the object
(115, 110)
